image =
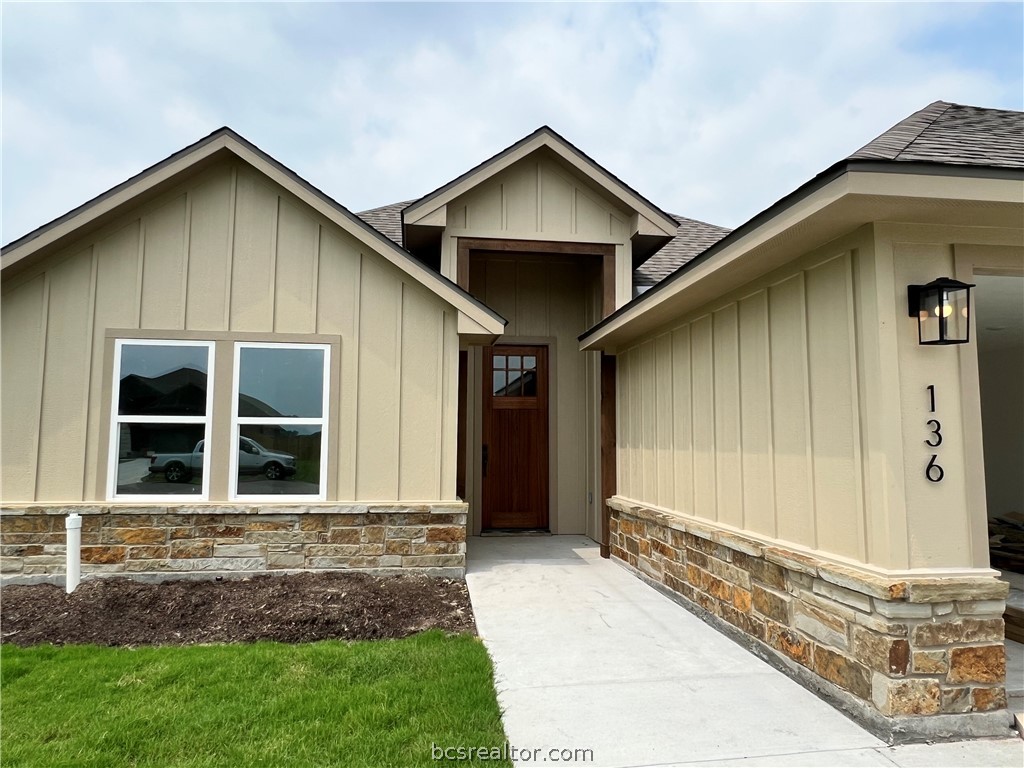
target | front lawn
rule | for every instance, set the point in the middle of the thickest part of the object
(369, 703)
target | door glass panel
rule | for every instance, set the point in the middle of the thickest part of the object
(499, 382)
(499, 361)
(162, 380)
(160, 458)
(530, 362)
(514, 361)
(279, 459)
(513, 389)
(529, 384)
(274, 381)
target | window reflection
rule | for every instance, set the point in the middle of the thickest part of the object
(281, 382)
(160, 458)
(162, 380)
(514, 376)
(279, 459)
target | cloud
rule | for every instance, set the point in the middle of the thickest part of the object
(711, 110)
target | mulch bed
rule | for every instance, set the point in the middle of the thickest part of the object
(291, 609)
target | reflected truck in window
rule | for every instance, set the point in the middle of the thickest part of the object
(253, 459)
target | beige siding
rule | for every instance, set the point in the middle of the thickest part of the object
(65, 356)
(165, 268)
(539, 198)
(227, 252)
(930, 506)
(799, 404)
(750, 447)
(23, 317)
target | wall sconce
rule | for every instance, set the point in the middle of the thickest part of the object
(943, 311)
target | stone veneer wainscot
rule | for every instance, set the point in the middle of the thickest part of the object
(218, 539)
(910, 658)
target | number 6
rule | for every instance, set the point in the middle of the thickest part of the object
(933, 471)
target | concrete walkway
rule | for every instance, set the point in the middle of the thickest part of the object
(589, 657)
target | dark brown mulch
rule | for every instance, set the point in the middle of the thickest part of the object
(291, 609)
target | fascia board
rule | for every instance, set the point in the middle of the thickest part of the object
(421, 209)
(107, 202)
(930, 186)
(816, 201)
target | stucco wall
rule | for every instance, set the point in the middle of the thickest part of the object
(228, 252)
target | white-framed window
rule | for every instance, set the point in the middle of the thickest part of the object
(279, 421)
(161, 413)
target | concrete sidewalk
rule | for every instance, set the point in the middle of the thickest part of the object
(589, 657)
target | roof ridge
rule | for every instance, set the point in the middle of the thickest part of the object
(948, 106)
(891, 143)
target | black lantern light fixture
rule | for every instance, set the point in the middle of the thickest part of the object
(943, 311)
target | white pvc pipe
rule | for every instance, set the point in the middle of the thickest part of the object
(73, 526)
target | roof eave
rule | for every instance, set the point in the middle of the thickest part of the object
(60, 231)
(542, 137)
(829, 186)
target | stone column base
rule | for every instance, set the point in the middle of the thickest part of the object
(911, 659)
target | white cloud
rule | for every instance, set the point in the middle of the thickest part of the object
(711, 110)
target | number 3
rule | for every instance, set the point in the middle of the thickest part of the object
(936, 433)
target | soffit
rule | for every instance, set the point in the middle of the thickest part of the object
(836, 209)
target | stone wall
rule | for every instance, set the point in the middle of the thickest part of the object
(226, 539)
(914, 658)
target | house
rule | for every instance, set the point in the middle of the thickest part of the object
(224, 370)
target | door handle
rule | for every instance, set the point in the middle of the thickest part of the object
(485, 457)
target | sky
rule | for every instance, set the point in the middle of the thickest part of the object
(712, 111)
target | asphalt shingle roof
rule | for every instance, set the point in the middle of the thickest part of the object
(387, 220)
(952, 134)
(942, 132)
(691, 238)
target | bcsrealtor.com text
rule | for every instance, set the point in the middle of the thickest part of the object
(509, 752)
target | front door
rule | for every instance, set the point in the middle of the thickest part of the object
(515, 438)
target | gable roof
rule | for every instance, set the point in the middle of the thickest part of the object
(691, 238)
(943, 139)
(954, 134)
(542, 137)
(63, 230)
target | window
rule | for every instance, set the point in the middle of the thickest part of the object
(279, 421)
(515, 376)
(162, 402)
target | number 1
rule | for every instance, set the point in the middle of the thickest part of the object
(931, 398)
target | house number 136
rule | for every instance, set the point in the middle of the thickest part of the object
(933, 471)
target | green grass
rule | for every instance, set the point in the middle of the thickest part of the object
(378, 703)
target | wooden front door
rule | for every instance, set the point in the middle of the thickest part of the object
(515, 437)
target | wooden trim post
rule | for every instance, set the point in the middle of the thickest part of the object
(608, 440)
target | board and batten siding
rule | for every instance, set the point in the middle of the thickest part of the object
(746, 413)
(550, 300)
(538, 198)
(228, 251)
